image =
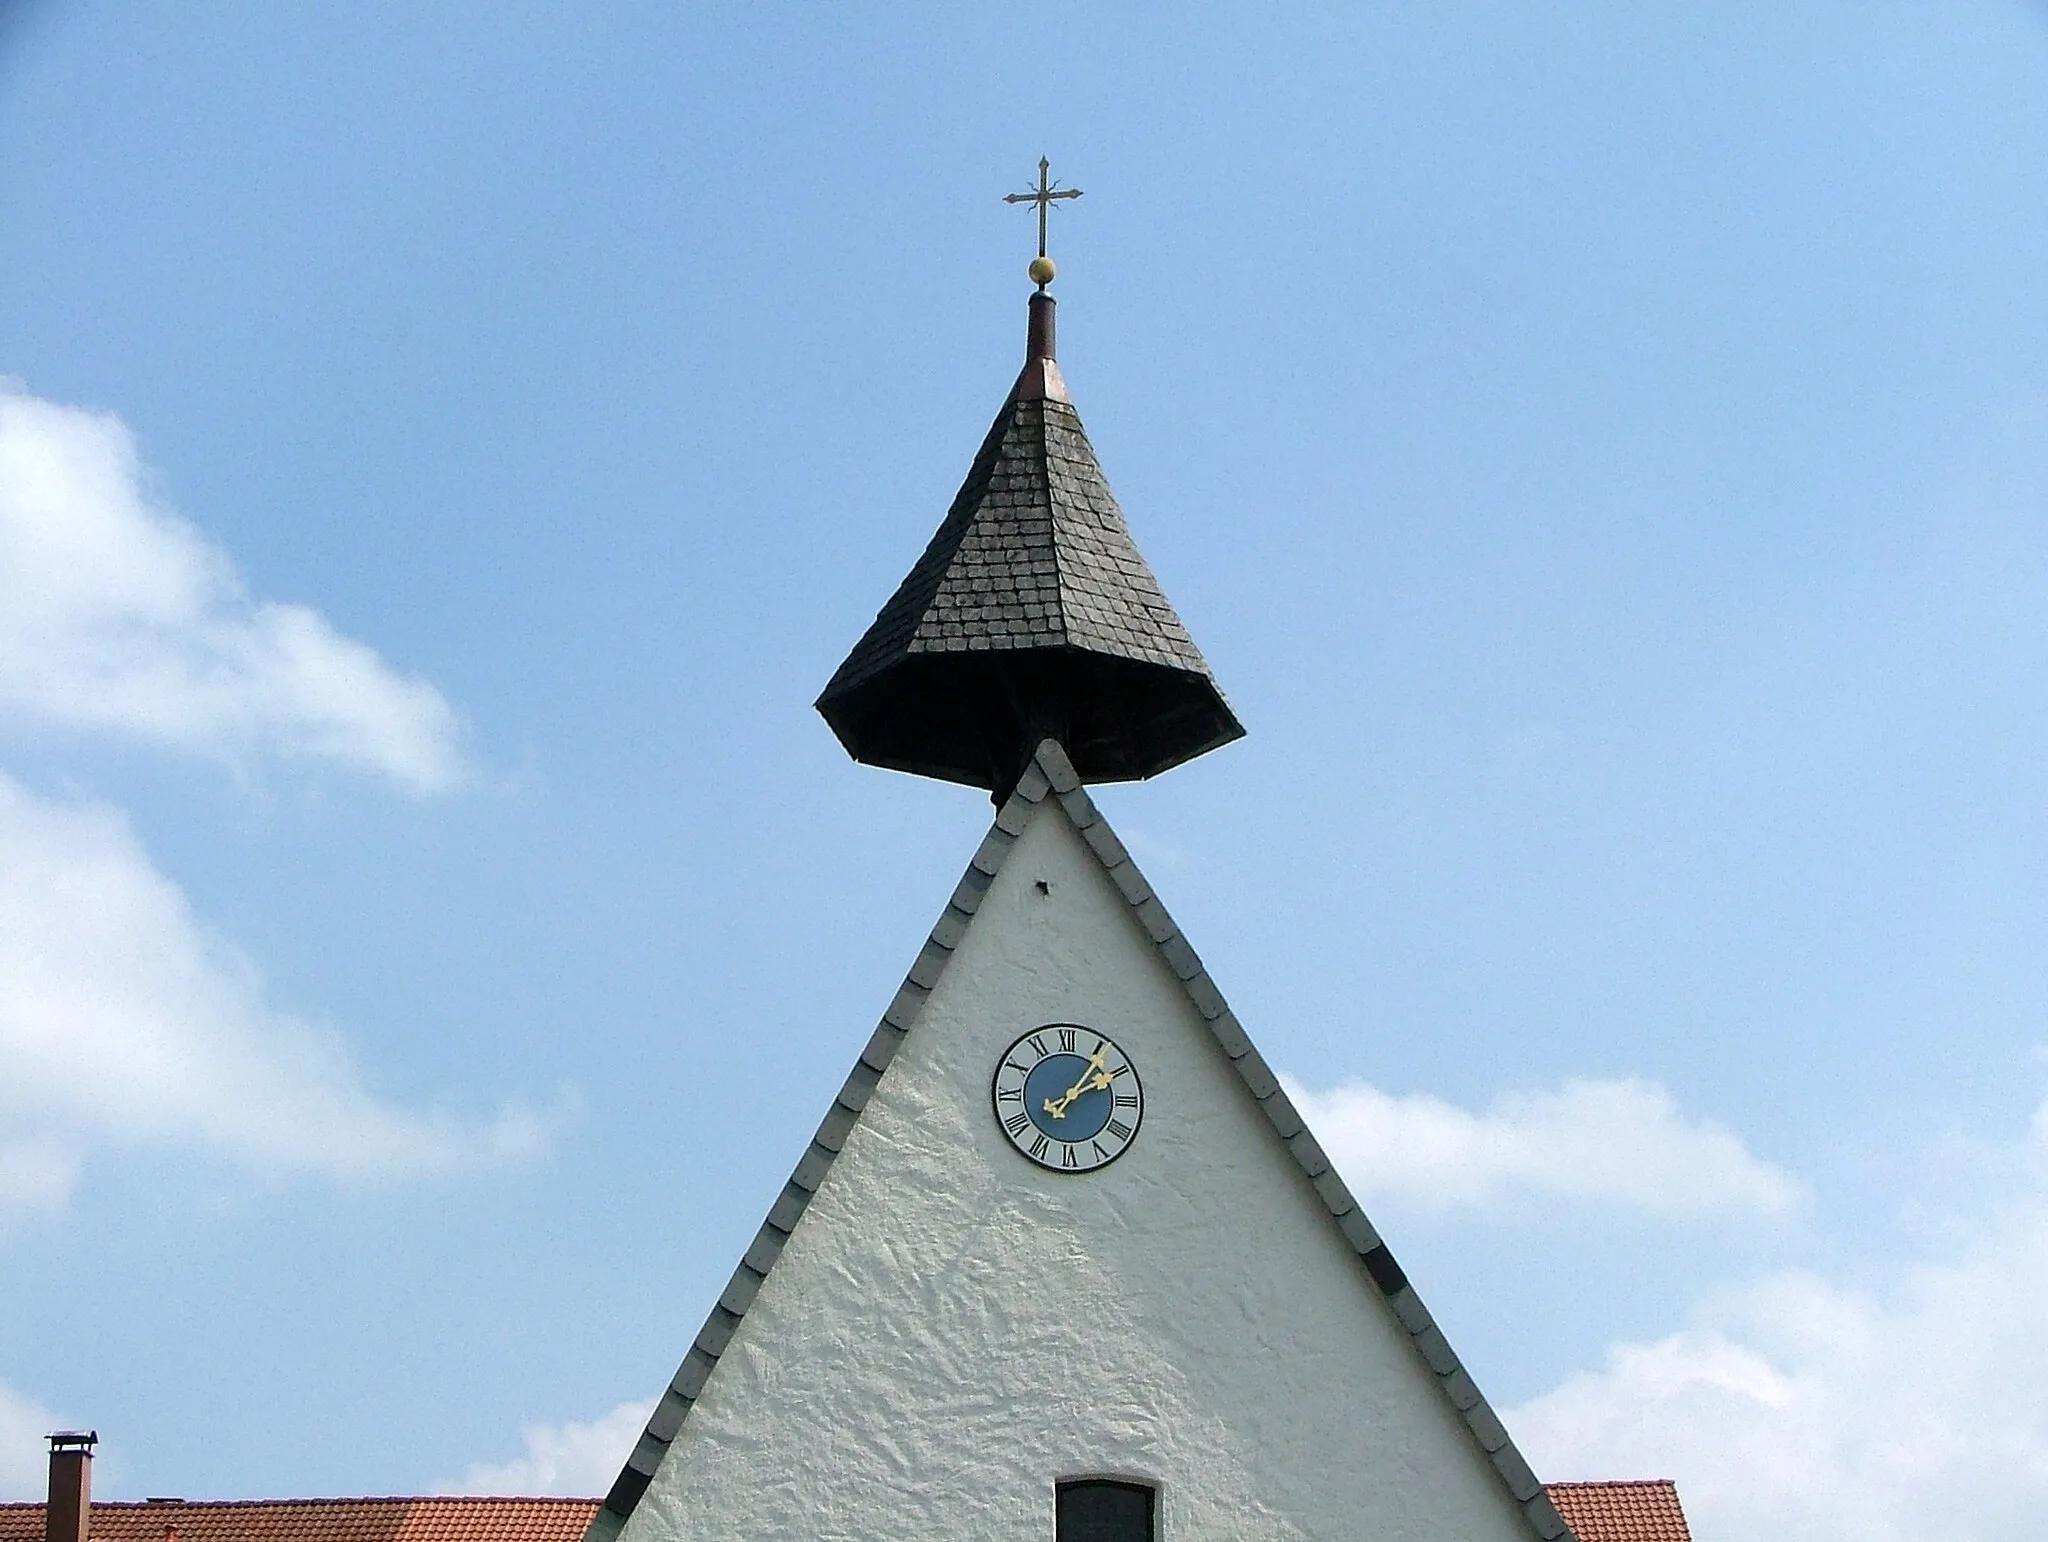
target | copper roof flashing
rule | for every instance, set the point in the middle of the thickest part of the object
(1040, 380)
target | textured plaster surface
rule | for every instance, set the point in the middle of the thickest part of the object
(951, 1329)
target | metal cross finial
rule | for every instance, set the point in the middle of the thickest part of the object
(1045, 195)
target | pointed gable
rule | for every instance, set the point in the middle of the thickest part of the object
(896, 1353)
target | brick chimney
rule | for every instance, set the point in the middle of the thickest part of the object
(68, 1516)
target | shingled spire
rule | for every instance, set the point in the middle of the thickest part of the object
(1030, 615)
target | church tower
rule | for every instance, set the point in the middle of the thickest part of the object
(1062, 1261)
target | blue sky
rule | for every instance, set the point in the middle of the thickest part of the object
(1602, 449)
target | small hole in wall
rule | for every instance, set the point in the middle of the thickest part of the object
(1044, 887)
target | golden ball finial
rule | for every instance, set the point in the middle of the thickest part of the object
(1042, 271)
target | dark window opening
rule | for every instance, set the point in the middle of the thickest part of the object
(1099, 1510)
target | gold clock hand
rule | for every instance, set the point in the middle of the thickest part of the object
(1093, 1079)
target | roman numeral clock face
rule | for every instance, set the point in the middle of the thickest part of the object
(1068, 1098)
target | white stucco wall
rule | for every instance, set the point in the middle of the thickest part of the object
(951, 1329)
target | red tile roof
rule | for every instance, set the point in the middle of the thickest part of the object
(321, 1520)
(1641, 1511)
(1638, 1510)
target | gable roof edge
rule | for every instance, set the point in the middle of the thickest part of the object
(1050, 775)
(1051, 764)
(902, 1015)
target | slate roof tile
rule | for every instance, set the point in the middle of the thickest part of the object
(1033, 558)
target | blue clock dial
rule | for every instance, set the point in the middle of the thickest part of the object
(1067, 1097)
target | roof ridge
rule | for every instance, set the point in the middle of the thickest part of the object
(1042, 443)
(1090, 523)
(912, 598)
(1050, 777)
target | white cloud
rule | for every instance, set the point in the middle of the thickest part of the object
(575, 1459)
(1796, 1405)
(116, 615)
(24, 1471)
(1614, 1143)
(1817, 1411)
(1813, 1411)
(122, 1022)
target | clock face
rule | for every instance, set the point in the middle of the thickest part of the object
(1068, 1098)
